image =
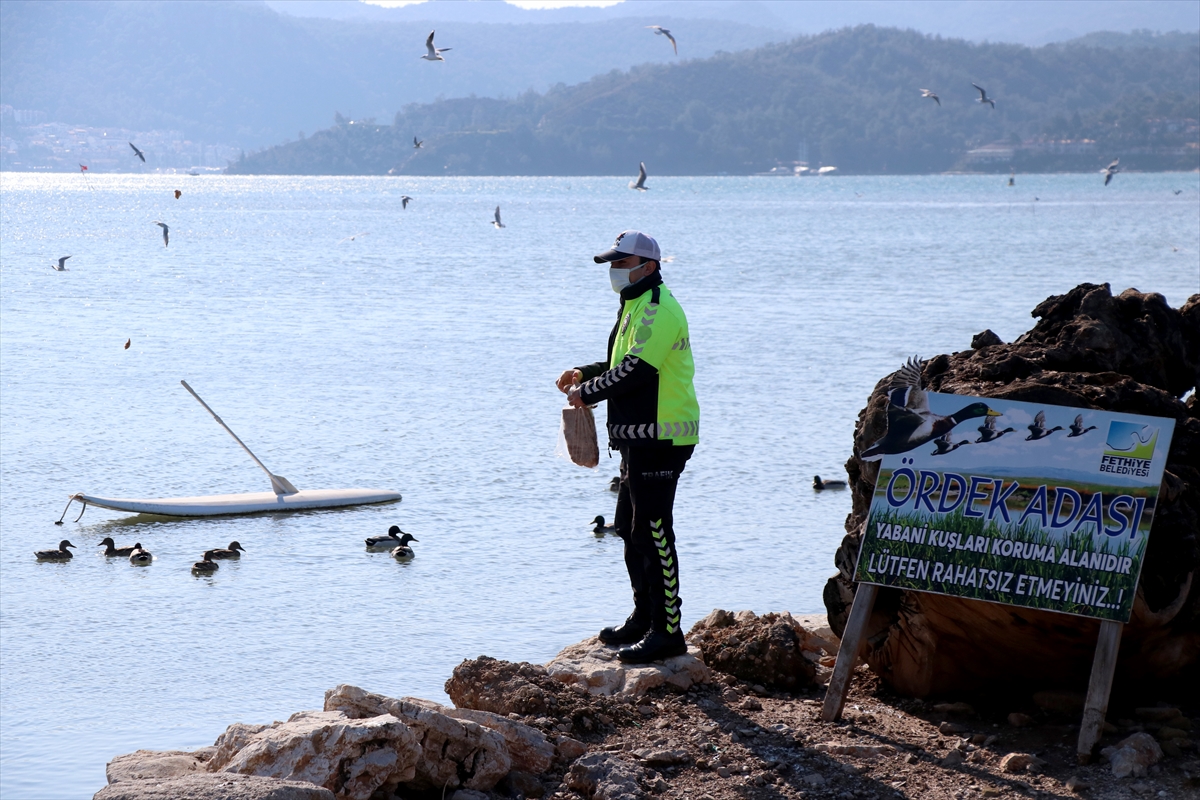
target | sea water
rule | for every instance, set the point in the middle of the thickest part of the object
(352, 343)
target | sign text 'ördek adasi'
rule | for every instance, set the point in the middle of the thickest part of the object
(1026, 504)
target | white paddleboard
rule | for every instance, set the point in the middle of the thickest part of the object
(249, 503)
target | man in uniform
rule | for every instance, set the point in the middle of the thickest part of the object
(654, 420)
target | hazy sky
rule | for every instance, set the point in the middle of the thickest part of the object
(518, 3)
(1030, 22)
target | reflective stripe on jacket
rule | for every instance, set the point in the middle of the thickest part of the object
(647, 379)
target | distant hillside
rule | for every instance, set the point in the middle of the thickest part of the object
(1017, 21)
(238, 72)
(1137, 39)
(848, 98)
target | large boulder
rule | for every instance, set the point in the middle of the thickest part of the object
(501, 687)
(604, 776)
(1090, 349)
(157, 764)
(452, 753)
(233, 739)
(350, 757)
(527, 746)
(773, 650)
(1134, 755)
(564, 703)
(213, 786)
(592, 666)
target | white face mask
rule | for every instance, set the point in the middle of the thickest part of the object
(619, 278)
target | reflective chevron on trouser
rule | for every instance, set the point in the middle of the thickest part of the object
(670, 573)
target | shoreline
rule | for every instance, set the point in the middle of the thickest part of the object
(223, 171)
(585, 726)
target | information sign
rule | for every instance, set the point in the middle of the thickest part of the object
(1026, 504)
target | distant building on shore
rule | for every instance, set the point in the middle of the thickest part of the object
(28, 143)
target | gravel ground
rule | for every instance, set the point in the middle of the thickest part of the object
(733, 740)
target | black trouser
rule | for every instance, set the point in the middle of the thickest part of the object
(644, 521)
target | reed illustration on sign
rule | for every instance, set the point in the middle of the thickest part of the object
(1026, 504)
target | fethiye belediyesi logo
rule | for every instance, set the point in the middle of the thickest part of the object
(1129, 449)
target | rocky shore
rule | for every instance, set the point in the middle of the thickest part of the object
(737, 717)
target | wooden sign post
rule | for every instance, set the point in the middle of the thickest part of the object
(1099, 687)
(843, 668)
(1095, 707)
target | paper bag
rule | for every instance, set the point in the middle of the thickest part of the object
(579, 432)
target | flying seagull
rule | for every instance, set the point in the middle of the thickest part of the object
(661, 31)
(166, 233)
(496, 219)
(1111, 170)
(418, 142)
(1177, 191)
(355, 236)
(983, 98)
(62, 265)
(404, 200)
(928, 93)
(434, 53)
(138, 153)
(640, 184)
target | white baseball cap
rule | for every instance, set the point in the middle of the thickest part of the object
(630, 243)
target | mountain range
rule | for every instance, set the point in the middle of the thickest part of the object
(849, 98)
(254, 73)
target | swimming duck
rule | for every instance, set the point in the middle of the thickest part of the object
(404, 552)
(61, 554)
(821, 485)
(207, 566)
(1038, 430)
(615, 484)
(601, 528)
(111, 549)
(910, 422)
(988, 432)
(1077, 428)
(140, 557)
(234, 550)
(386, 542)
(944, 445)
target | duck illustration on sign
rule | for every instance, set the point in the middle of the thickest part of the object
(988, 432)
(910, 423)
(1077, 428)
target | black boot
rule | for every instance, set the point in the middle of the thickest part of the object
(655, 646)
(630, 631)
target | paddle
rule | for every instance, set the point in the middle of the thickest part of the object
(279, 484)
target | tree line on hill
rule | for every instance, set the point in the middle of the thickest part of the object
(848, 98)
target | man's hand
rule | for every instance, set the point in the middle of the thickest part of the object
(568, 379)
(574, 397)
